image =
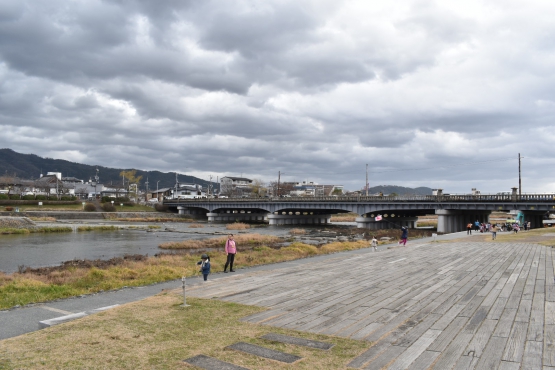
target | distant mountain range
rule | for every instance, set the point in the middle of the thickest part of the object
(399, 190)
(30, 166)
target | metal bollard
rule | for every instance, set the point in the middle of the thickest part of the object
(184, 298)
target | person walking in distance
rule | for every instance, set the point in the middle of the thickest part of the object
(404, 235)
(230, 251)
(469, 229)
(374, 243)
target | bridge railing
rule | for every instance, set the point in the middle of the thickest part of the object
(377, 199)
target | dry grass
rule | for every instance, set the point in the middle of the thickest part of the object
(249, 240)
(427, 223)
(237, 226)
(156, 333)
(344, 217)
(297, 231)
(544, 236)
(51, 219)
(196, 226)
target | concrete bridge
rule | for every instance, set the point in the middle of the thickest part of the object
(454, 211)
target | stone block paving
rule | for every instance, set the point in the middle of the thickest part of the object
(210, 363)
(264, 352)
(463, 305)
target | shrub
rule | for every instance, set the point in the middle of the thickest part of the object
(52, 197)
(15, 196)
(67, 197)
(28, 197)
(161, 207)
(41, 197)
(108, 207)
(4, 196)
(9, 209)
(122, 199)
(89, 207)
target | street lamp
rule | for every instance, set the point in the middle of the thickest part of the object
(157, 195)
(95, 183)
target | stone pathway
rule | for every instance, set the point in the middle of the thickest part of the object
(463, 305)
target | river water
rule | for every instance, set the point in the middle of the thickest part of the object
(41, 250)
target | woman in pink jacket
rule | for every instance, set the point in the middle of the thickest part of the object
(230, 251)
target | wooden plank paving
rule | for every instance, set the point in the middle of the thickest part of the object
(463, 305)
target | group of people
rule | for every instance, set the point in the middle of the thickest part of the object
(230, 249)
(494, 228)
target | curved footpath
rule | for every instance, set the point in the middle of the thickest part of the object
(460, 305)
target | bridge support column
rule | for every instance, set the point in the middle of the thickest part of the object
(193, 212)
(535, 218)
(293, 219)
(452, 221)
(237, 216)
(386, 223)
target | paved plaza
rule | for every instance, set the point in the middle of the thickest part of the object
(457, 305)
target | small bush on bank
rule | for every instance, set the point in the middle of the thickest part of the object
(237, 226)
(15, 196)
(161, 207)
(4, 196)
(9, 209)
(67, 197)
(52, 197)
(28, 197)
(89, 207)
(108, 207)
(41, 197)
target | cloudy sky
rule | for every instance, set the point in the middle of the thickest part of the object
(427, 93)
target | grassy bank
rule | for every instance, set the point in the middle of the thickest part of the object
(156, 333)
(544, 236)
(28, 287)
(48, 229)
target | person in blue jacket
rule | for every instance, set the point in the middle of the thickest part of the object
(204, 266)
(404, 235)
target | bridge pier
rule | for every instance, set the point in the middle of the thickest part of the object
(452, 221)
(299, 219)
(236, 216)
(386, 223)
(535, 218)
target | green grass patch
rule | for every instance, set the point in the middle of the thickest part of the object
(158, 333)
(98, 228)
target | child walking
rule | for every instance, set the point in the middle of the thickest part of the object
(374, 243)
(404, 235)
(204, 266)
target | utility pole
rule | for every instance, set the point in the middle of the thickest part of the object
(366, 179)
(146, 194)
(279, 176)
(519, 177)
(210, 187)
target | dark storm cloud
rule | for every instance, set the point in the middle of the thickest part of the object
(314, 89)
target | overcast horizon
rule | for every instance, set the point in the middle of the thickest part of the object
(436, 94)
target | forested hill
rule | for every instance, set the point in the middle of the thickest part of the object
(30, 166)
(399, 190)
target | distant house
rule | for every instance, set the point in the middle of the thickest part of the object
(188, 191)
(230, 185)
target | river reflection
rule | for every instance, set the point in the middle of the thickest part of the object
(40, 250)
